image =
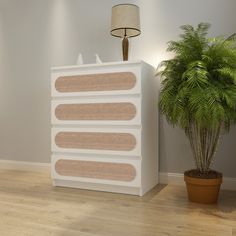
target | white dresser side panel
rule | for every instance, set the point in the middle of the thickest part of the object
(149, 128)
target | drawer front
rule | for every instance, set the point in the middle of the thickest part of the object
(103, 81)
(96, 170)
(97, 111)
(95, 82)
(100, 141)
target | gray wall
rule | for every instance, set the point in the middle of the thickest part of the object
(35, 35)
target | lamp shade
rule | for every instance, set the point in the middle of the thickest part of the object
(125, 20)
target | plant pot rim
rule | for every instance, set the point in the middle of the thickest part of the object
(203, 181)
(195, 173)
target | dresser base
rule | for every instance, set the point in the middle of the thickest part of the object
(97, 187)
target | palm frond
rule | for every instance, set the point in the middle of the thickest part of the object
(198, 90)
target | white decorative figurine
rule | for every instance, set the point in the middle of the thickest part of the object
(80, 59)
(98, 60)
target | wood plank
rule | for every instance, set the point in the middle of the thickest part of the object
(29, 205)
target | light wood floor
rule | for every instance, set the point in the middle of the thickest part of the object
(29, 205)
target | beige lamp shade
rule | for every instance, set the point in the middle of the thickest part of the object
(125, 21)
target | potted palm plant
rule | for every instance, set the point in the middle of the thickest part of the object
(199, 94)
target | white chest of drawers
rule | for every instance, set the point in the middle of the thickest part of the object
(104, 127)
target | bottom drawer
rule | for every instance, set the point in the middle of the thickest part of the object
(113, 171)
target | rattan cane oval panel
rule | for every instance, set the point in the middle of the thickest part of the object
(96, 82)
(98, 170)
(96, 111)
(96, 140)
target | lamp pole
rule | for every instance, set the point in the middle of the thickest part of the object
(125, 47)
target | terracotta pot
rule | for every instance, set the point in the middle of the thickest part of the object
(203, 190)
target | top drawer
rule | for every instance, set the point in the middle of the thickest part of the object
(101, 80)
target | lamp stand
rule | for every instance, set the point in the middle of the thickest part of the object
(125, 48)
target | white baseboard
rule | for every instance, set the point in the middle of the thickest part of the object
(178, 179)
(27, 166)
(164, 178)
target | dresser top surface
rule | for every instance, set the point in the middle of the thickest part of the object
(106, 64)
